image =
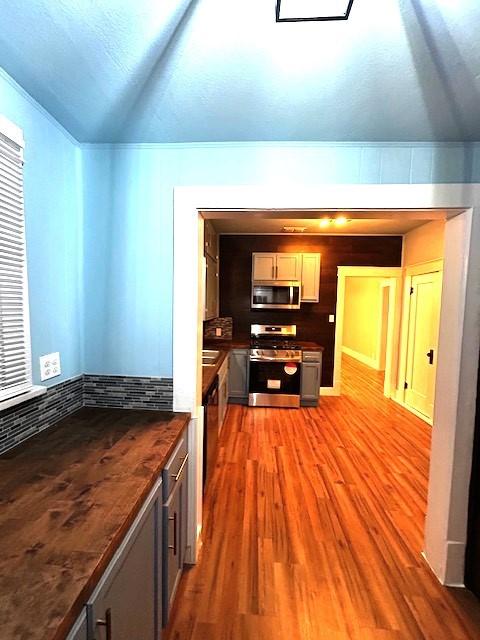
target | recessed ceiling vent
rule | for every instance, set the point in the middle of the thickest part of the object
(294, 229)
(308, 10)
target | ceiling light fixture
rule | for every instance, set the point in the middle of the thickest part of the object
(340, 221)
(294, 229)
(312, 10)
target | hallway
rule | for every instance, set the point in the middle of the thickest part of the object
(314, 527)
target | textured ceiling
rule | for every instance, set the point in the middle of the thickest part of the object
(219, 70)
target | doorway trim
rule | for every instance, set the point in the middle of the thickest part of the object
(446, 522)
(394, 277)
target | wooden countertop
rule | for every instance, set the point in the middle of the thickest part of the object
(67, 499)
(244, 343)
(209, 372)
(225, 346)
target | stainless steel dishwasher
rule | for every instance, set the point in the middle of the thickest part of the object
(210, 431)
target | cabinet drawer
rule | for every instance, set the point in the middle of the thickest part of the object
(312, 356)
(174, 467)
(175, 514)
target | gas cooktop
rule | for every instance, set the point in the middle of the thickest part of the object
(274, 342)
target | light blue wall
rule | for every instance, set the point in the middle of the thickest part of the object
(100, 225)
(53, 211)
(129, 223)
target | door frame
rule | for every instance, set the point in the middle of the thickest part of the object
(459, 343)
(394, 277)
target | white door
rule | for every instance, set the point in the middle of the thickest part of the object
(289, 266)
(264, 266)
(423, 341)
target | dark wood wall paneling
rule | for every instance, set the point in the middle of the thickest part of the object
(311, 319)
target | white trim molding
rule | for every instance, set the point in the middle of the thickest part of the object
(393, 275)
(327, 391)
(33, 392)
(361, 357)
(420, 268)
(12, 131)
(459, 344)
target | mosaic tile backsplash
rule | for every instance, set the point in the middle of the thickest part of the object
(225, 324)
(29, 418)
(127, 392)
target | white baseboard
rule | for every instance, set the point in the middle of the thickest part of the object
(328, 391)
(396, 399)
(370, 362)
(451, 569)
(455, 566)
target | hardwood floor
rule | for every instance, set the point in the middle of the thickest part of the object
(314, 526)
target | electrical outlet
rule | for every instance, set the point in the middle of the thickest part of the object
(218, 332)
(331, 318)
(50, 366)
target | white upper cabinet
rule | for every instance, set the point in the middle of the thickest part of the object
(289, 266)
(211, 240)
(310, 277)
(304, 267)
(264, 265)
(277, 266)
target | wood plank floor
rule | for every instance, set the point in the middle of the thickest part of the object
(314, 525)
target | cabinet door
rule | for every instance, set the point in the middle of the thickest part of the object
(310, 277)
(175, 514)
(222, 400)
(238, 373)
(79, 630)
(211, 289)
(123, 605)
(263, 266)
(289, 266)
(211, 240)
(310, 387)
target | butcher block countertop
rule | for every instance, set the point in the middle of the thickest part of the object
(209, 372)
(225, 346)
(67, 498)
(244, 343)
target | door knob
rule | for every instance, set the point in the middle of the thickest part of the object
(430, 356)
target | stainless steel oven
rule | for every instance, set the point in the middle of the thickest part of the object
(273, 294)
(275, 367)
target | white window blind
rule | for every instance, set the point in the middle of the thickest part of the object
(15, 357)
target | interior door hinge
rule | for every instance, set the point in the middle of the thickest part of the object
(411, 291)
(405, 386)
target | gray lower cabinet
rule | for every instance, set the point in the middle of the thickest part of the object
(134, 595)
(175, 515)
(79, 630)
(123, 605)
(222, 392)
(238, 374)
(311, 378)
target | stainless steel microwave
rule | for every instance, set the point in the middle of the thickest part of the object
(275, 294)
